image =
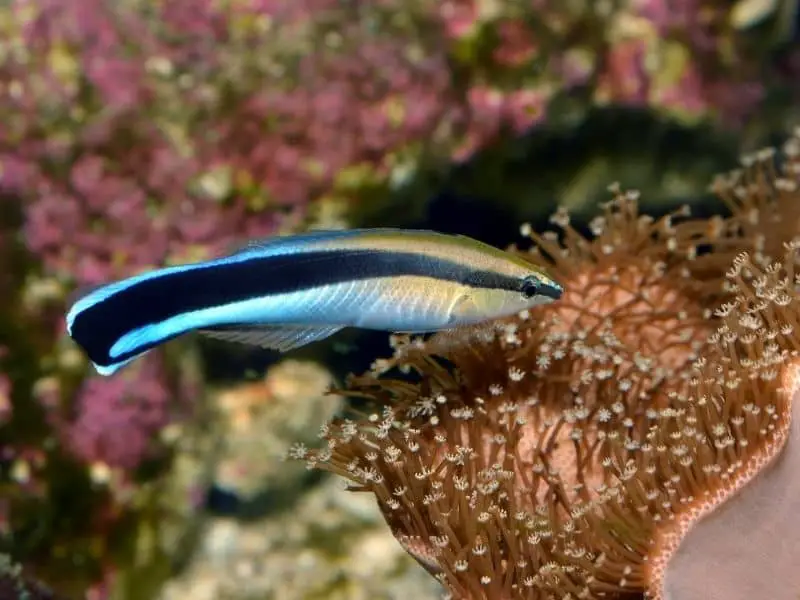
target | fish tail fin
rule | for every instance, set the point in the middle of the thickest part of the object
(119, 322)
(108, 370)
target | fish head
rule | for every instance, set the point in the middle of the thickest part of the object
(519, 286)
(534, 289)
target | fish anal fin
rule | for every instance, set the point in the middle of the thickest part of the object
(276, 337)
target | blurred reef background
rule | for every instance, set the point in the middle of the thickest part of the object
(139, 133)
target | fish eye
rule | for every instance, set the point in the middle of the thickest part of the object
(530, 287)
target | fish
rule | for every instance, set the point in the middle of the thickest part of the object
(285, 292)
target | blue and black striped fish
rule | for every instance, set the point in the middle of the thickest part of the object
(286, 292)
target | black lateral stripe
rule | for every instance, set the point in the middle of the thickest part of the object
(154, 300)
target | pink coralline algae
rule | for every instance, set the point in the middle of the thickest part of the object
(119, 418)
(104, 167)
(143, 134)
(139, 133)
(692, 59)
(679, 57)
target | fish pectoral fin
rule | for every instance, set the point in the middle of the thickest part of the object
(277, 337)
(464, 310)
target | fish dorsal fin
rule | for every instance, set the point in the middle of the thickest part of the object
(276, 242)
(288, 243)
(276, 337)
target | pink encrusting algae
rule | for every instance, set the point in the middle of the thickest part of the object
(146, 133)
(119, 418)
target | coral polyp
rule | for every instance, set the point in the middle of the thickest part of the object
(570, 451)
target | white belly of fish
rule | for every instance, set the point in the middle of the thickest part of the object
(398, 304)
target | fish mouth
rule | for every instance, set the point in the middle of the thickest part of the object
(551, 290)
